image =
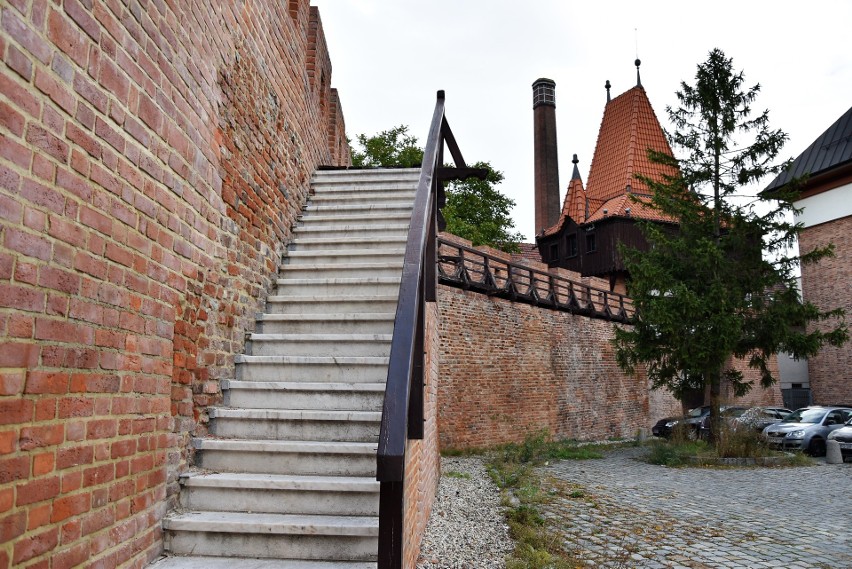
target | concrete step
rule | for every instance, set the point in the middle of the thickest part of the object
(317, 369)
(346, 345)
(365, 175)
(198, 562)
(295, 395)
(378, 218)
(349, 256)
(361, 243)
(340, 270)
(338, 287)
(287, 457)
(295, 424)
(344, 230)
(235, 534)
(365, 209)
(322, 305)
(364, 196)
(363, 323)
(280, 494)
(390, 188)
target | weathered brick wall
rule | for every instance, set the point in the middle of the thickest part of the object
(153, 157)
(510, 369)
(830, 372)
(422, 464)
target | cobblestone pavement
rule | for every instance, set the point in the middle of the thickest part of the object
(621, 512)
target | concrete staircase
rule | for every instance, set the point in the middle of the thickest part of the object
(287, 477)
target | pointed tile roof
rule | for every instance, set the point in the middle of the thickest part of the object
(628, 129)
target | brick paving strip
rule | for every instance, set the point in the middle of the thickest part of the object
(620, 512)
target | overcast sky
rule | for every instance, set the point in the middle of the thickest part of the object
(389, 58)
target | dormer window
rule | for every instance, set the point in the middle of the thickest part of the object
(571, 245)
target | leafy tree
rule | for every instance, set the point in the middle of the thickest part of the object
(475, 209)
(703, 292)
(389, 148)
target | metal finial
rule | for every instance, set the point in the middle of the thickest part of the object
(607, 85)
(638, 80)
(575, 160)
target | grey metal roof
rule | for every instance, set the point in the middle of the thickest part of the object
(831, 150)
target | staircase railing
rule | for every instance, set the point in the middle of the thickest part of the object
(402, 412)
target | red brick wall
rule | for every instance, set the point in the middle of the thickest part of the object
(153, 157)
(422, 459)
(827, 284)
(510, 369)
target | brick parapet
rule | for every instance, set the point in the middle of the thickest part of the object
(152, 165)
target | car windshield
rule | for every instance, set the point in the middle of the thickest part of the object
(697, 412)
(805, 416)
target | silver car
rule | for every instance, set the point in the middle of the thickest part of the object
(806, 429)
(843, 435)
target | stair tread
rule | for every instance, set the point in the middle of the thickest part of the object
(265, 523)
(198, 562)
(323, 337)
(336, 317)
(280, 481)
(296, 414)
(337, 360)
(335, 299)
(341, 280)
(313, 447)
(304, 386)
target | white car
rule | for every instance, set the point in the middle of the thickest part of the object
(843, 435)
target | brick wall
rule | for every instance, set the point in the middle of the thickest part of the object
(422, 459)
(153, 157)
(829, 285)
(510, 369)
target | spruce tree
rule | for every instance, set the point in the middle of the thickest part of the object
(720, 281)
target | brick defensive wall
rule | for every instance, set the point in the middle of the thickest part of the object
(153, 158)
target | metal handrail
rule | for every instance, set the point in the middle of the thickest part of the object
(402, 411)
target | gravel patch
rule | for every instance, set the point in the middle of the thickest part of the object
(467, 528)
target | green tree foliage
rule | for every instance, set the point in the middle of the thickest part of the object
(475, 209)
(705, 291)
(388, 149)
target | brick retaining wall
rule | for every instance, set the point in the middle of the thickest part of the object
(153, 158)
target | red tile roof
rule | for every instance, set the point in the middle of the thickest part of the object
(628, 129)
(529, 252)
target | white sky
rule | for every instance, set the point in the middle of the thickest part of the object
(389, 57)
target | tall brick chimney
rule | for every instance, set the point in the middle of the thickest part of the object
(546, 160)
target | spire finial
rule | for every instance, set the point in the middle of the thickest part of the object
(575, 175)
(607, 85)
(638, 80)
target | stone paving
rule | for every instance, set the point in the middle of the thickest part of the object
(620, 512)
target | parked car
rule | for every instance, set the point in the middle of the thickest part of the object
(664, 427)
(758, 418)
(807, 428)
(728, 412)
(843, 435)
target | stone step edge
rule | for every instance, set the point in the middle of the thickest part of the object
(317, 415)
(255, 481)
(273, 524)
(291, 447)
(172, 561)
(320, 337)
(295, 387)
(314, 360)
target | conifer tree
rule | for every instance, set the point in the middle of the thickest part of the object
(720, 281)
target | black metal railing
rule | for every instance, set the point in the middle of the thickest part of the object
(402, 412)
(472, 269)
